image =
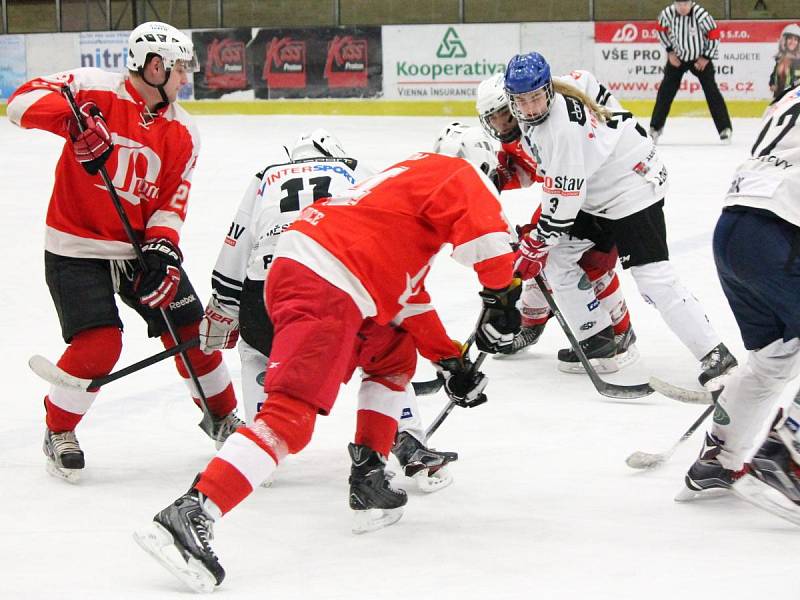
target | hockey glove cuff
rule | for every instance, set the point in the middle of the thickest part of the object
(500, 319)
(219, 330)
(462, 384)
(157, 286)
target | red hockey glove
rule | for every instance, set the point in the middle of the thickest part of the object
(500, 319)
(506, 177)
(93, 145)
(157, 286)
(462, 384)
(531, 258)
(219, 330)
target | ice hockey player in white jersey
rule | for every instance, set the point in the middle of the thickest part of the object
(519, 171)
(601, 167)
(318, 167)
(757, 254)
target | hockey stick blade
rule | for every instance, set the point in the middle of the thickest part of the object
(425, 388)
(682, 394)
(613, 390)
(56, 376)
(52, 374)
(645, 460)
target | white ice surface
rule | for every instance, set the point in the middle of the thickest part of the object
(543, 505)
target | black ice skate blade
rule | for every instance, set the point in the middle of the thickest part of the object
(159, 543)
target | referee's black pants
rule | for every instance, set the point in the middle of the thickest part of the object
(671, 83)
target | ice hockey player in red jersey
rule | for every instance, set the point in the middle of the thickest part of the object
(601, 167)
(518, 170)
(318, 167)
(340, 275)
(149, 146)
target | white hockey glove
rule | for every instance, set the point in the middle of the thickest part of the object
(219, 329)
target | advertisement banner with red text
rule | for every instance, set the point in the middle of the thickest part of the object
(630, 59)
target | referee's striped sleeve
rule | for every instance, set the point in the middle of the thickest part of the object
(708, 26)
(664, 25)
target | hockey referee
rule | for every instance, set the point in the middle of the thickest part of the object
(691, 38)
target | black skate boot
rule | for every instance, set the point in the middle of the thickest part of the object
(186, 528)
(426, 466)
(715, 364)
(370, 489)
(600, 349)
(527, 336)
(627, 352)
(773, 465)
(64, 455)
(707, 473)
(223, 427)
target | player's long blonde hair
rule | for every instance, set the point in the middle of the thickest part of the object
(603, 113)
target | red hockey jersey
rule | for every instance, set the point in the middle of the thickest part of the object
(378, 240)
(151, 165)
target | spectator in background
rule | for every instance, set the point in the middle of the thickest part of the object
(786, 73)
(691, 38)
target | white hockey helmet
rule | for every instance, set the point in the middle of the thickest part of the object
(470, 143)
(791, 29)
(315, 144)
(160, 39)
(493, 110)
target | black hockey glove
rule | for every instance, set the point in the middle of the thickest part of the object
(157, 286)
(500, 319)
(462, 384)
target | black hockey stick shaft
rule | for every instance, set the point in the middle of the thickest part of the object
(145, 362)
(206, 424)
(437, 422)
(605, 388)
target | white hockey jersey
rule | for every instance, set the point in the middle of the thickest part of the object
(609, 169)
(588, 84)
(272, 202)
(770, 178)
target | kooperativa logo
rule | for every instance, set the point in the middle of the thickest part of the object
(451, 45)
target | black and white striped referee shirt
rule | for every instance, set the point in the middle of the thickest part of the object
(689, 37)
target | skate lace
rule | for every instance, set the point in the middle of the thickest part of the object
(204, 528)
(227, 425)
(712, 359)
(65, 442)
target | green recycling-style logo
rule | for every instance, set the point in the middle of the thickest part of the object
(451, 46)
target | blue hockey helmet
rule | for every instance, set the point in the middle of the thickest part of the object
(529, 87)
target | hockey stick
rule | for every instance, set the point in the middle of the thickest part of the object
(645, 460)
(425, 388)
(610, 390)
(52, 374)
(207, 422)
(437, 422)
(682, 394)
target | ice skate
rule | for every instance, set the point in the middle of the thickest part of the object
(773, 465)
(179, 537)
(600, 349)
(707, 477)
(426, 466)
(716, 365)
(527, 336)
(627, 352)
(223, 427)
(64, 455)
(375, 502)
